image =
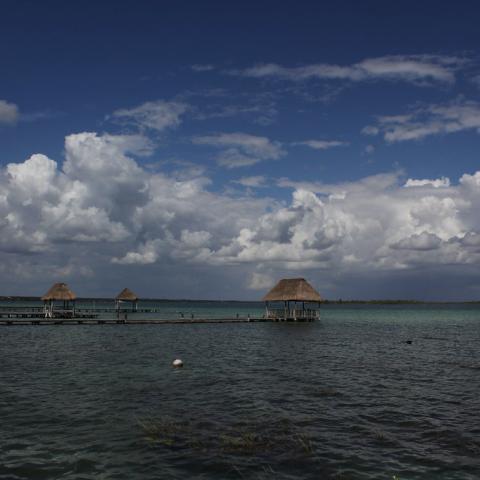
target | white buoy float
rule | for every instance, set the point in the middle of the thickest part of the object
(177, 363)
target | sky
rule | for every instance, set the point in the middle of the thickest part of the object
(207, 149)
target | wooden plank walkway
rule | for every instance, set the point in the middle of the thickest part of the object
(114, 321)
(8, 308)
(37, 314)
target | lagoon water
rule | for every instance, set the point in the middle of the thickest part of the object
(342, 398)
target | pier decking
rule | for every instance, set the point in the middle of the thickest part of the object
(79, 312)
(110, 316)
(114, 321)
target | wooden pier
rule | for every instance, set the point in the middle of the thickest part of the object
(22, 314)
(85, 310)
(40, 320)
(33, 315)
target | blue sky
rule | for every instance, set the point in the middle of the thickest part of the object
(212, 148)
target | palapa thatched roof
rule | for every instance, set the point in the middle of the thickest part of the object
(59, 291)
(292, 289)
(126, 295)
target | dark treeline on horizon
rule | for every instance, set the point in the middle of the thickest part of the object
(340, 301)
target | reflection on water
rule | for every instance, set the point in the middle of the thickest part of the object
(343, 398)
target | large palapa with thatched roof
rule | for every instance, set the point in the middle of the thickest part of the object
(306, 300)
(126, 295)
(59, 301)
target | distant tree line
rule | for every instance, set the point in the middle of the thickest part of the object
(340, 301)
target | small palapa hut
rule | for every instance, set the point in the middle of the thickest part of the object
(306, 301)
(59, 301)
(126, 295)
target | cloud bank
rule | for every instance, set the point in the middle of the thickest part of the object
(102, 210)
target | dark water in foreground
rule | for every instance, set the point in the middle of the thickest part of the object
(343, 398)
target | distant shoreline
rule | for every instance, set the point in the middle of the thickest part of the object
(4, 298)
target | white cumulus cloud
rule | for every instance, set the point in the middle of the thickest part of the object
(103, 211)
(419, 241)
(435, 183)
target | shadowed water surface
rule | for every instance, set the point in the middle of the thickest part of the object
(342, 398)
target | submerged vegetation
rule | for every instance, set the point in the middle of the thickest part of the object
(242, 438)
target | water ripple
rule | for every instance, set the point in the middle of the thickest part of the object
(345, 398)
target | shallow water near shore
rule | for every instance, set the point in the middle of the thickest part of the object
(343, 398)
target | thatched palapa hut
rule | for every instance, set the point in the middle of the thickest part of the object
(126, 295)
(306, 301)
(59, 301)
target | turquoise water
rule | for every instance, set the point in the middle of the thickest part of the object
(342, 398)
